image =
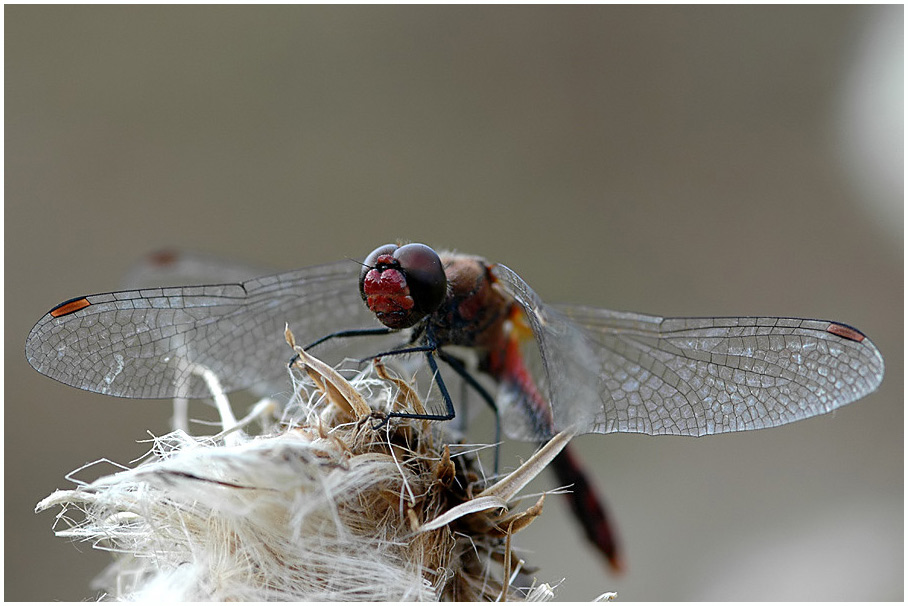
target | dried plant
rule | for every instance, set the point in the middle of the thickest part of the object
(330, 501)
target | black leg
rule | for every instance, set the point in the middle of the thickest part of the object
(359, 332)
(398, 352)
(449, 404)
(460, 369)
(429, 349)
(464, 407)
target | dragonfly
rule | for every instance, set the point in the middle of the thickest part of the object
(556, 367)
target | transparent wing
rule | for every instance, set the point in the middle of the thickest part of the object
(610, 371)
(152, 342)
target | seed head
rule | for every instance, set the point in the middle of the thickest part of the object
(330, 501)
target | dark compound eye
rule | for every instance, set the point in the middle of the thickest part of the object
(401, 285)
(425, 275)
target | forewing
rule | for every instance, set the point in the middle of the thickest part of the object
(152, 343)
(614, 371)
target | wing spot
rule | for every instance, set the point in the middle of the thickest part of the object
(68, 307)
(846, 332)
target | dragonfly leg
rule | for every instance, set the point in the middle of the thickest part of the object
(430, 350)
(358, 332)
(398, 352)
(449, 404)
(457, 365)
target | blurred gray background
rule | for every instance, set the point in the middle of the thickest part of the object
(669, 160)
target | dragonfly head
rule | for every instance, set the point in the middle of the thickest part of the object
(402, 284)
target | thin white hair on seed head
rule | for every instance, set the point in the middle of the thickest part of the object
(326, 504)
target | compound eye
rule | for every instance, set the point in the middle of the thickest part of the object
(425, 275)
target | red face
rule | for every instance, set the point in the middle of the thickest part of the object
(402, 284)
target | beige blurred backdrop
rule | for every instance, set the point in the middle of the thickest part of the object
(669, 160)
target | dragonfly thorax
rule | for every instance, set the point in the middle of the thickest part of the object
(475, 310)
